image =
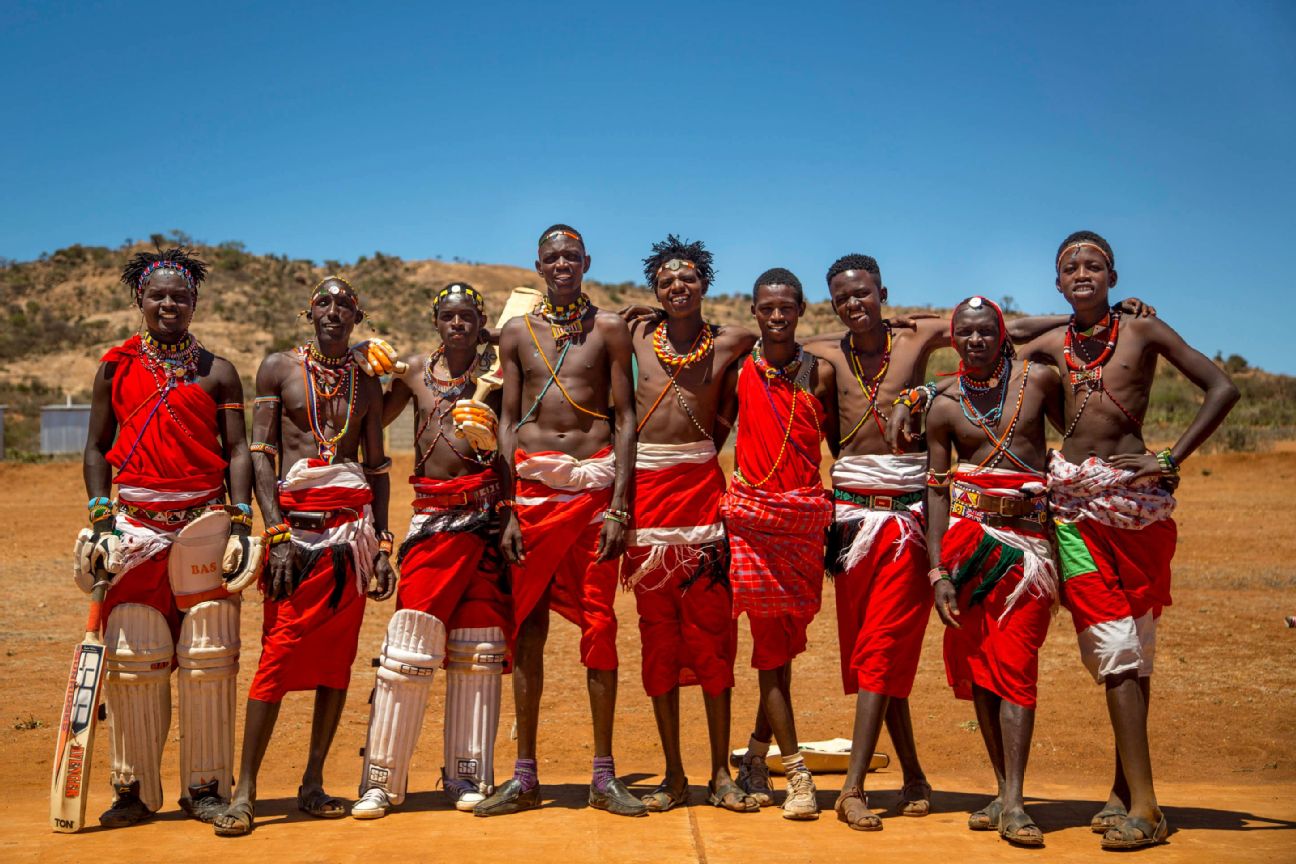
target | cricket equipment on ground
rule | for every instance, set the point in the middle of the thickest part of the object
(75, 748)
(474, 672)
(137, 690)
(377, 357)
(195, 565)
(821, 757)
(413, 650)
(521, 301)
(208, 651)
(241, 565)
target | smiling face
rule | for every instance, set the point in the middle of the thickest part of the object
(857, 299)
(167, 302)
(777, 311)
(1084, 278)
(977, 338)
(562, 263)
(334, 313)
(458, 322)
(680, 290)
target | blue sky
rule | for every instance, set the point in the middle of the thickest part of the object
(958, 143)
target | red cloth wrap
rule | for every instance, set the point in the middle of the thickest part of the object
(178, 450)
(448, 574)
(1132, 576)
(681, 496)
(883, 604)
(560, 542)
(1002, 657)
(776, 546)
(763, 413)
(149, 585)
(777, 641)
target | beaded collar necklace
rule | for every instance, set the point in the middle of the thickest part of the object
(1086, 373)
(671, 358)
(770, 371)
(987, 422)
(565, 322)
(324, 381)
(176, 363)
(443, 386)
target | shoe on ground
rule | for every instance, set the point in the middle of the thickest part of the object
(127, 808)
(800, 801)
(373, 804)
(615, 798)
(462, 794)
(754, 779)
(509, 798)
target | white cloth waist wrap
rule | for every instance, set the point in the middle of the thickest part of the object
(567, 474)
(358, 533)
(1039, 572)
(1098, 490)
(140, 540)
(876, 474)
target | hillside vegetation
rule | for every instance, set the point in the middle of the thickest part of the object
(65, 309)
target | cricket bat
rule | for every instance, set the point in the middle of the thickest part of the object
(72, 757)
(521, 301)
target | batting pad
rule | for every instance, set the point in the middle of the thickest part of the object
(137, 692)
(208, 681)
(473, 677)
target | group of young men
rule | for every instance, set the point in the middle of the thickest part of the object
(596, 466)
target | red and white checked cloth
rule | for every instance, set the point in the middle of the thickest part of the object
(776, 544)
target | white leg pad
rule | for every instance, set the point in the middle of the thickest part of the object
(474, 673)
(208, 681)
(137, 692)
(414, 649)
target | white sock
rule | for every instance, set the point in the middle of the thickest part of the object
(793, 763)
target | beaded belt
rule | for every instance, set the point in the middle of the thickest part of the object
(1034, 513)
(480, 499)
(166, 517)
(879, 502)
(1002, 505)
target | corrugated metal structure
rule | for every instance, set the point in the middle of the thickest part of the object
(64, 428)
(2, 425)
(400, 434)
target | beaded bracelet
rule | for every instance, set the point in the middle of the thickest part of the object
(386, 541)
(262, 447)
(936, 574)
(938, 478)
(622, 516)
(276, 534)
(98, 502)
(240, 519)
(1169, 467)
(505, 504)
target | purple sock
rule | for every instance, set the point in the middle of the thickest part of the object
(524, 771)
(604, 772)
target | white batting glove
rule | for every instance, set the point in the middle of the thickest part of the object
(377, 357)
(242, 563)
(478, 423)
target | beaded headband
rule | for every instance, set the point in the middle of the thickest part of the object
(164, 265)
(1078, 245)
(676, 264)
(459, 289)
(334, 289)
(559, 232)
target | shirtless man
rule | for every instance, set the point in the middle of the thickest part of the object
(326, 514)
(995, 582)
(567, 458)
(1112, 505)
(675, 560)
(776, 512)
(449, 602)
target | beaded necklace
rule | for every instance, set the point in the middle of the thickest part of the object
(177, 363)
(443, 386)
(702, 346)
(969, 385)
(445, 391)
(1087, 374)
(1002, 444)
(554, 369)
(870, 390)
(565, 322)
(323, 379)
(769, 373)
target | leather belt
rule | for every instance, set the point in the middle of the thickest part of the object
(319, 520)
(1033, 521)
(879, 502)
(479, 499)
(1002, 505)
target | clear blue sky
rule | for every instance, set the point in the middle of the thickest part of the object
(958, 143)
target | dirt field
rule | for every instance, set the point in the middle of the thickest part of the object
(1224, 727)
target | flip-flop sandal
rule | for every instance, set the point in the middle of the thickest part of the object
(321, 805)
(852, 808)
(987, 818)
(664, 798)
(1107, 818)
(716, 797)
(1010, 828)
(912, 804)
(1125, 837)
(244, 816)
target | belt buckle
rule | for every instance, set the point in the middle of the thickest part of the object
(883, 502)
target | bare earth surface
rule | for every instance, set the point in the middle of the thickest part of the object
(1224, 721)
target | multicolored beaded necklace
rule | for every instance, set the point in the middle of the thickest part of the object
(770, 373)
(323, 377)
(565, 322)
(1087, 374)
(1002, 444)
(870, 390)
(670, 358)
(446, 391)
(177, 363)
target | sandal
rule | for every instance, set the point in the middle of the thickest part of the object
(320, 804)
(1011, 828)
(242, 813)
(915, 798)
(731, 797)
(1123, 836)
(987, 818)
(1107, 818)
(664, 798)
(852, 808)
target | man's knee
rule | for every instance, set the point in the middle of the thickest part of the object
(1114, 680)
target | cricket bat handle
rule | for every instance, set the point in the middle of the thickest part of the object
(94, 621)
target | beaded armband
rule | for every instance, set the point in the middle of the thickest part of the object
(100, 509)
(230, 406)
(938, 478)
(622, 516)
(262, 447)
(386, 541)
(1169, 467)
